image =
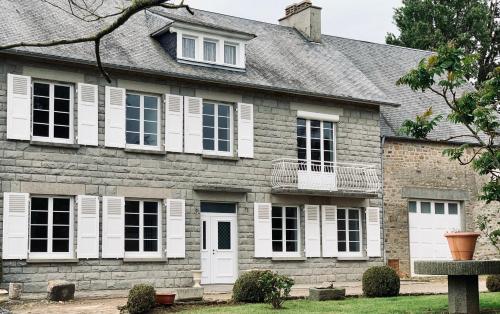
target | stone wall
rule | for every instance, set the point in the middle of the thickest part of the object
(412, 164)
(102, 171)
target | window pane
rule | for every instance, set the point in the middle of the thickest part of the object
(204, 235)
(224, 235)
(425, 207)
(223, 111)
(151, 207)
(188, 48)
(61, 105)
(353, 236)
(40, 130)
(151, 115)
(291, 223)
(60, 232)
(133, 125)
(208, 121)
(291, 212)
(38, 232)
(150, 245)
(61, 132)
(354, 247)
(61, 218)
(328, 157)
(341, 247)
(341, 224)
(133, 113)
(315, 155)
(41, 89)
(223, 134)
(39, 217)
(41, 103)
(315, 144)
(209, 51)
(60, 245)
(276, 211)
(340, 214)
(301, 154)
(37, 246)
(208, 132)
(291, 246)
(133, 138)
(132, 206)
(132, 232)
(229, 54)
(353, 214)
(439, 208)
(341, 235)
(277, 223)
(150, 139)
(40, 116)
(208, 109)
(412, 207)
(61, 204)
(452, 209)
(150, 233)
(132, 245)
(315, 124)
(38, 203)
(131, 219)
(353, 225)
(150, 220)
(61, 118)
(150, 102)
(277, 246)
(208, 144)
(150, 127)
(277, 234)
(61, 91)
(315, 133)
(301, 142)
(224, 122)
(291, 235)
(223, 146)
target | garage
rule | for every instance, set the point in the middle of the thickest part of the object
(428, 222)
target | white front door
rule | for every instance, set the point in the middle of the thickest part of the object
(219, 250)
(428, 222)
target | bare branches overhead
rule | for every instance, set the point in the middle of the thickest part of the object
(90, 11)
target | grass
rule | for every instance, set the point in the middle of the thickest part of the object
(490, 303)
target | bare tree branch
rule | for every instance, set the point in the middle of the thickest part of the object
(123, 15)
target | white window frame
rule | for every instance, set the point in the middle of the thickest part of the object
(141, 122)
(322, 148)
(196, 48)
(50, 225)
(237, 52)
(433, 206)
(216, 151)
(141, 253)
(284, 253)
(347, 252)
(217, 48)
(51, 137)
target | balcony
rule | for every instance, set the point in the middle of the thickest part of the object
(294, 175)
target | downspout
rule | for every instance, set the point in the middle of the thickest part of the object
(382, 142)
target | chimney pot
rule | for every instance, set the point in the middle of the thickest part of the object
(305, 18)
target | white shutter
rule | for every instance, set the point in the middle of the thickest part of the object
(312, 233)
(245, 130)
(18, 107)
(176, 228)
(373, 232)
(87, 114)
(329, 230)
(173, 123)
(88, 226)
(113, 227)
(114, 117)
(15, 225)
(262, 230)
(193, 138)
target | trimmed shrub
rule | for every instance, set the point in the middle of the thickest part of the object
(247, 287)
(141, 299)
(276, 288)
(493, 283)
(380, 281)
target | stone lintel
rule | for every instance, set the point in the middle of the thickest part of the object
(52, 188)
(434, 194)
(143, 192)
(220, 188)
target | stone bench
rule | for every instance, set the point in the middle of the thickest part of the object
(463, 285)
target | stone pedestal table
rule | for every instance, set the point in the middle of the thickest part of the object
(463, 286)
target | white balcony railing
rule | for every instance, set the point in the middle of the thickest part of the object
(324, 176)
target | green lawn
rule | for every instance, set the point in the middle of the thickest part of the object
(490, 303)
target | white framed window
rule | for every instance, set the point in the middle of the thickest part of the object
(428, 207)
(316, 145)
(142, 121)
(285, 230)
(349, 232)
(209, 50)
(51, 227)
(142, 229)
(52, 112)
(217, 128)
(189, 47)
(230, 53)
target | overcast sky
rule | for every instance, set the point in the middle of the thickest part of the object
(359, 19)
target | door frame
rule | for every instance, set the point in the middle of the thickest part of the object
(207, 216)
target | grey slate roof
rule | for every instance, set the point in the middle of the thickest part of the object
(279, 58)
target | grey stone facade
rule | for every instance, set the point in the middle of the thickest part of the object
(71, 170)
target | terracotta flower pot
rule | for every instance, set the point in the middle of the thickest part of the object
(165, 298)
(462, 244)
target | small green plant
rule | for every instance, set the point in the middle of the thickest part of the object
(248, 288)
(276, 288)
(380, 281)
(493, 283)
(141, 299)
(422, 125)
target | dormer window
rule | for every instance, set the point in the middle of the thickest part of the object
(188, 47)
(210, 50)
(230, 53)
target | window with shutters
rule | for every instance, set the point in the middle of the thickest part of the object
(285, 230)
(217, 129)
(52, 112)
(316, 145)
(142, 228)
(142, 121)
(349, 234)
(51, 227)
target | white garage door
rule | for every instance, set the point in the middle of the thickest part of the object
(429, 220)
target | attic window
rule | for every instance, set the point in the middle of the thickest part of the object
(230, 54)
(188, 47)
(209, 50)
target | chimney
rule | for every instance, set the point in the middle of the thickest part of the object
(305, 18)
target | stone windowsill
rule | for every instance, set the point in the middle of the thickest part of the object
(352, 258)
(51, 144)
(55, 260)
(144, 151)
(289, 259)
(218, 157)
(144, 260)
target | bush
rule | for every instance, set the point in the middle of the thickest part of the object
(247, 287)
(380, 281)
(141, 299)
(276, 288)
(493, 283)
